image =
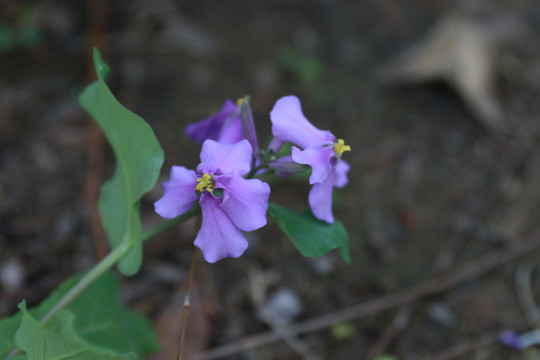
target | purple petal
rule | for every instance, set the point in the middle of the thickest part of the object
(178, 193)
(341, 169)
(316, 157)
(510, 339)
(320, 199)
(232, 131)
(229, 158)
(244, 201)
(218, 237)
(224, 126)
(275, 145)
(248, 126)
(286, 166)
(289, 124)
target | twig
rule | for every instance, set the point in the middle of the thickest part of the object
(95, 36)
(187, 305)
(525, 296)
(477, 209)
(398, 324)
(466, 347)
(274, 320)
(429, 287)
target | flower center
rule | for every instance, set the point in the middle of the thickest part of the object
(206, 182)
(340, 147)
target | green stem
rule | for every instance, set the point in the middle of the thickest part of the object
(169, 224)
(112, 259)
(98, 270)
(108, 262)
(86, 281)
(254, 171)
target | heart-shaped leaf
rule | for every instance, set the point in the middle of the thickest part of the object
(95, 323)
(311, 237)
(138, 161)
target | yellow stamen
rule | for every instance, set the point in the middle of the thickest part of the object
(205, 182)
(240, 101)
(340, 147)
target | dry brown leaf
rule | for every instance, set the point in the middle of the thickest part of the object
(460, 50)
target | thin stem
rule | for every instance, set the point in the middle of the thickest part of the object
(168, 225)
(107, 262)
(254, 171)
(187, 304)
(88, 279)
(112, 259)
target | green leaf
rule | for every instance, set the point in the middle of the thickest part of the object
(30, 35)
(387, 357)
(342, 330)
(138, 161)
(307, 68)
(8, 327)
(311, 237)
(100, 320)
(57, 339)
(6, 38)
(102, 69)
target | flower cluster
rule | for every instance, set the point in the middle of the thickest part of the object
(231, 200)
(318, 148)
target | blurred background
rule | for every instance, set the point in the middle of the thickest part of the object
(439, 101)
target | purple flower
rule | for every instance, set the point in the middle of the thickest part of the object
(511, 339)
(320, 149)
(230, 204)
(224, 126)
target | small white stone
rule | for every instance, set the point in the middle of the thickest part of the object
(441, 314)
(323, 265)
(12, 275)
(286, 304)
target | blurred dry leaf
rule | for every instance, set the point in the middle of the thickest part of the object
(460, 50)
